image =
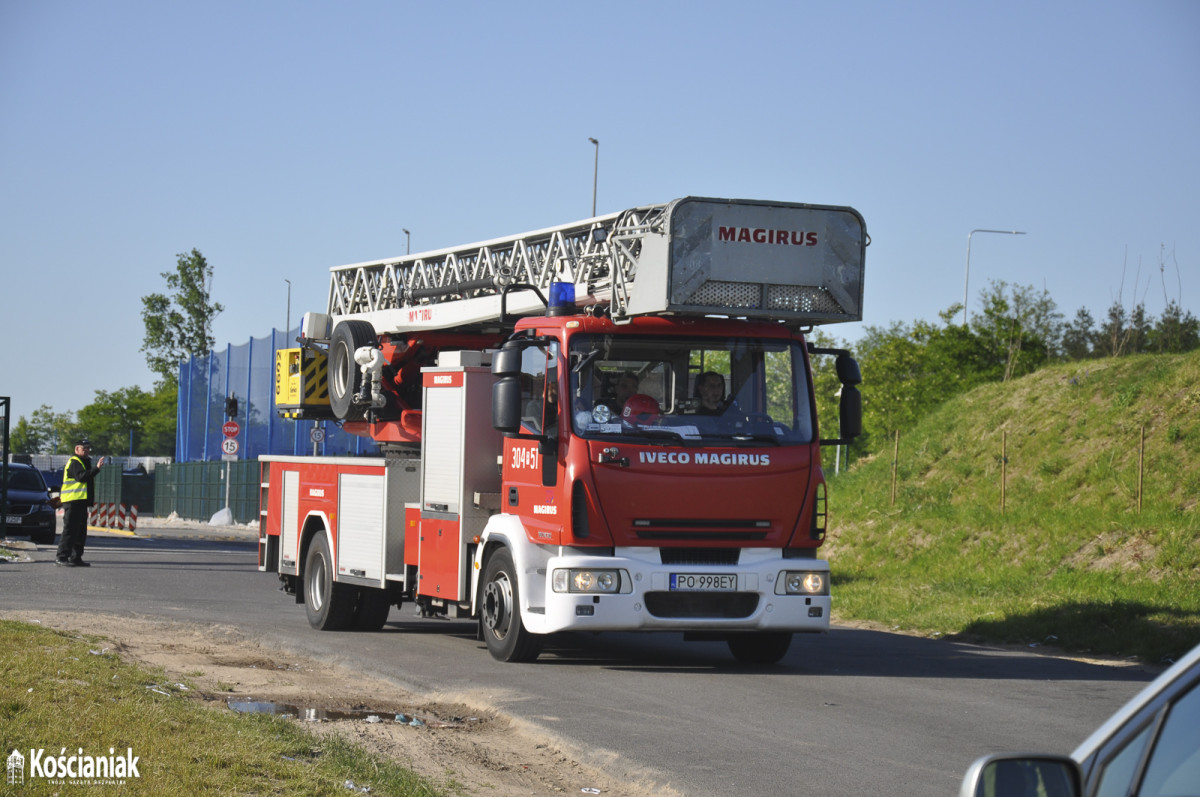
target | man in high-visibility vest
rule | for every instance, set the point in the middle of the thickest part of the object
(76, 497)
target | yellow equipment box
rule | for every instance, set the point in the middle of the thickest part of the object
(301, 379)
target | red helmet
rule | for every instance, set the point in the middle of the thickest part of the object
(640, 409)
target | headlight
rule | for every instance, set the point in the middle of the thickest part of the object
(804, 582)
(589, 581)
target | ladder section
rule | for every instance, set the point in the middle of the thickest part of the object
(781, 261)
(600, 256)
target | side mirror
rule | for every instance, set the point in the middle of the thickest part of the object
(506, 390)
(506, 404)
(1023, 775)
(850, 404)
(507, 361)
(847, 370)
(850, 412)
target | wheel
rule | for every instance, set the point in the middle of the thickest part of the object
(329, 605)
(345, 378)
(503, 630)
(372, 609)
(760, 648)
(44, 537)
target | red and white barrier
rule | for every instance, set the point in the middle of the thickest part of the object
(113, 516)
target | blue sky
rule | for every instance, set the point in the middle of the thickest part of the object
(283, 138)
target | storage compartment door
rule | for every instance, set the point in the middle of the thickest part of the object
(289, 521)
(441, 564)
(360, 525)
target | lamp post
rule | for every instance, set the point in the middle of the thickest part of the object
(967, 277)
(595, 174)
(407, 242)
(287, 327)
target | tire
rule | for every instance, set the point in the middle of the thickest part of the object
(330, 606)
(500, 615)
(42, 537)
(345, 378)
(372, 610)
(760, 648)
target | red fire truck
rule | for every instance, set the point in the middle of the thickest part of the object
(604, 426)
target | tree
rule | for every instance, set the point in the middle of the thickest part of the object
(179, 325)
(45, 432)
(1020, 327)
(132, 418)
(1078, 336)
(1124, 333)
(1177, 331)
(959, 356)
(1139, 329)
(898, 382)
(1110, 338)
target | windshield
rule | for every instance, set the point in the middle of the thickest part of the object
(741, 391)
(22, 479)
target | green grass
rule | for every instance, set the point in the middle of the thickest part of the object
(1068, 560)
(59, 691)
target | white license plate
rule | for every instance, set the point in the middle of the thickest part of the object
(704, 582)
(13, 520)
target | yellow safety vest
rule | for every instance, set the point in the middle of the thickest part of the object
(72, 490)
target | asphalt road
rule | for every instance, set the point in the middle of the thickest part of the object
(851, 712)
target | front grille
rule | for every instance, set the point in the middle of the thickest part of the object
(732, 530)
(725, 605)
(707, 536)
(700, 556)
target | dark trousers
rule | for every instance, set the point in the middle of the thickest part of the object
(74, 533)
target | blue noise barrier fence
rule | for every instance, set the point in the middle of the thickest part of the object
(247, 373)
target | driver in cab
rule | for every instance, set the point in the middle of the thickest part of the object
(710, 389)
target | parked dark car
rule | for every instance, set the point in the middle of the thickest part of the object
(29, 511)
(1149, 748)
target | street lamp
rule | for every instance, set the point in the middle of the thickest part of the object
(967, 278)
(407, 242)
(595, 174)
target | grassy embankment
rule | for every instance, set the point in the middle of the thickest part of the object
(61, 691)
(1069, 560)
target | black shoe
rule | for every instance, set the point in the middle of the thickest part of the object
(65, 563)
(80, 563)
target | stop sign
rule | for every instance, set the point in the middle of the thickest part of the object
(230, 429)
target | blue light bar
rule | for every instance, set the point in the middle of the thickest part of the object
(562, 298)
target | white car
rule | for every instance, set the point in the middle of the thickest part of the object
(1149, 748)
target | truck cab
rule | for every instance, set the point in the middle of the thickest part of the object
(649, 505)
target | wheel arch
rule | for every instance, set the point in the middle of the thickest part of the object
(316, 523)
(507, 531)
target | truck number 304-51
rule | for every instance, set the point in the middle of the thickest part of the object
(524, 457)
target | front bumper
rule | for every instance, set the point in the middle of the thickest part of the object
(646, 602)
(22, 522)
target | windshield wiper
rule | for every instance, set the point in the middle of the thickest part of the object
(585, 359)
(662, 431)
(746, 437)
